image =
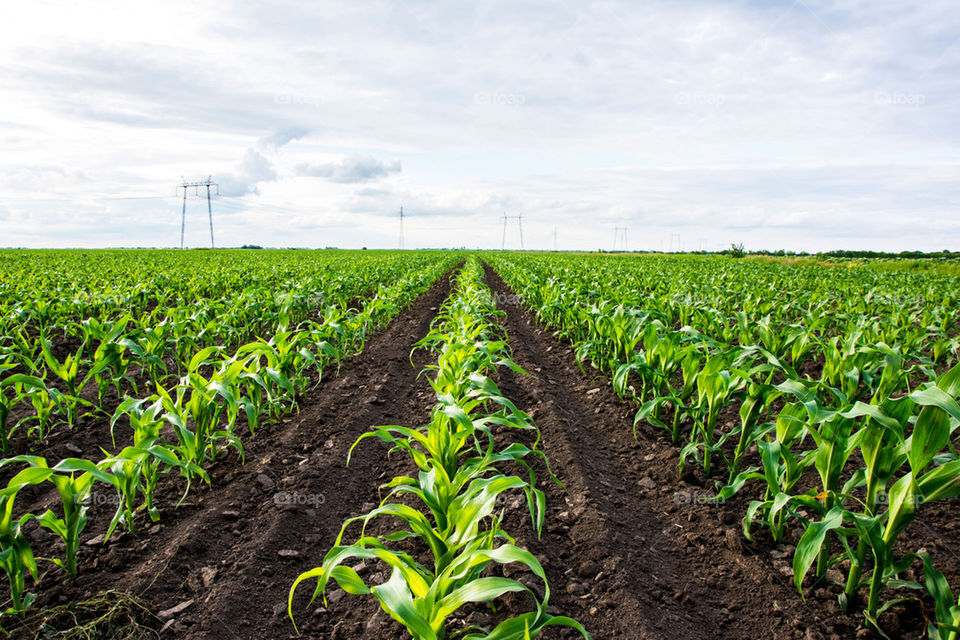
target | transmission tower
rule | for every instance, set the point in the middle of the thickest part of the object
(401, 227)
(519, 219)
(679, 244)
(616, 237)
(556, 230)
(196, 186)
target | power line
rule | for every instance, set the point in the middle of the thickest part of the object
(82, 198)
(269, 208)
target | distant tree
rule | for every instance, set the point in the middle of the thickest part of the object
(737, 250)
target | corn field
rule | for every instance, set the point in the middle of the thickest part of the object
(486, 446)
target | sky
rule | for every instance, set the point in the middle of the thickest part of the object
(806, 126)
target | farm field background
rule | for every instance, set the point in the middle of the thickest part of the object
(648, 445)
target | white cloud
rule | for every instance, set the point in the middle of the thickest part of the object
(283, 136)
(801, 125)
(253, 169)
(349, 170)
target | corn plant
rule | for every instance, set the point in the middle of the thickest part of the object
(16, 555)
(878, 530)
(457, 487)
(783, 467)
(136, 470)
(73, 478)
(19, 388)
(422, 601)
(946, 622)
(110, 353)
(716, 384)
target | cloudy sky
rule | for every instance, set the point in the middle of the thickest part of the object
(802, 125)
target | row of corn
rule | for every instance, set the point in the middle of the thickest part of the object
(73, 343)
(843, 437)
(463, 456)
(261, 379)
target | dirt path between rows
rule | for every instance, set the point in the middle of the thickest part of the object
(629, 549)
(233, 551)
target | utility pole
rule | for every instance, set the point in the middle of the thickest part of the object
(196, 186)
(503, 241)
(183, 216)
(401, 226)
(210, 210)
(616, 236)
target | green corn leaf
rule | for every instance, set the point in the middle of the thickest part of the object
(931, 433)
(810, 543)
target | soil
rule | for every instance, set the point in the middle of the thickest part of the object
(630, 550)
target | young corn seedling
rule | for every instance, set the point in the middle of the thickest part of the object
(782, 469)
(46, 402)
(14, 389)
(422, 602)
(73, 478)
(200, 401)
(835, 440)
(881, 441)
(715, 387)
(946, 622)
(268, 368)
(758, 395)
(137, 470)
(150, 349)
(16, 555)
(110, 354)
(679, 399)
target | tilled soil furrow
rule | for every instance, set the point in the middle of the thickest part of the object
(629, 549)
(311, 491)
(606, 557)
